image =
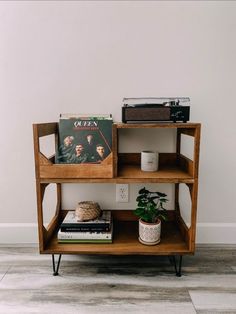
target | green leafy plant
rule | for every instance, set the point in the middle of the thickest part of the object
(150, 206)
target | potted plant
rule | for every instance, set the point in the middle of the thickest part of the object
(150, 211)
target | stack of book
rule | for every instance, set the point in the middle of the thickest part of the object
(99, 230)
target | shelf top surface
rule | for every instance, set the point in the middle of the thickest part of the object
(133, 173)
(157, 125)
(126, 242)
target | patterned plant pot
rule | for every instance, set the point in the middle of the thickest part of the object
(149, 233)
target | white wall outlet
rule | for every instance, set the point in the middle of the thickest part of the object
(122, 193)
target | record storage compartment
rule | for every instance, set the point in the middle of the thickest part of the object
(47, 169)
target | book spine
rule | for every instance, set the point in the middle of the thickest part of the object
(84, 235)
(85, 228)
(85, 241)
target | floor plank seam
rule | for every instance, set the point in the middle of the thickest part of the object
(192, 302)
(5, 274)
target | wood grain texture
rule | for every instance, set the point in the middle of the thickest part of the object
(126, 243)
(72, 171)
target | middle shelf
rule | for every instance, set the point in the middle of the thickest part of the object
(173, 168)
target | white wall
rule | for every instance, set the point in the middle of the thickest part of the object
(85, 57)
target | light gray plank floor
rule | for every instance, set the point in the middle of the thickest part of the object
(109, 284)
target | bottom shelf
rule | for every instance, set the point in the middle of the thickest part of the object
(125, 242)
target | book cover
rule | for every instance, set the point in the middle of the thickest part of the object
(84, 140)
(71, 224)
(71, 219)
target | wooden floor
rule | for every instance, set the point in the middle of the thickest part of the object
(111, 284)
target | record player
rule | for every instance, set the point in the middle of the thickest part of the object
(141, 110)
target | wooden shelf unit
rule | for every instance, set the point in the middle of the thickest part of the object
(175, 168)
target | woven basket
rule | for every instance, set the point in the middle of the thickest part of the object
(87, 210)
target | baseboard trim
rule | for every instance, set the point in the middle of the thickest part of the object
(216, 233)
(207, 233)
(22, 233)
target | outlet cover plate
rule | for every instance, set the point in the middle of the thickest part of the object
(122, 193)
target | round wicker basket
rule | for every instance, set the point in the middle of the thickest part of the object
(87, 210)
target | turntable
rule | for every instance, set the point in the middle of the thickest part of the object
(152, 109)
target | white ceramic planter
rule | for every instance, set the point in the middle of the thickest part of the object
(149, 233)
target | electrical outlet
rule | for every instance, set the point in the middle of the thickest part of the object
(122, 193)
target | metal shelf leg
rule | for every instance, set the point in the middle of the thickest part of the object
(178, 268)
(177, 265)
(56, 267)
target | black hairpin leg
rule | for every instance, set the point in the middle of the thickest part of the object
(177, 266)
(56, 267)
